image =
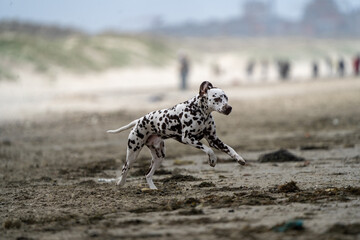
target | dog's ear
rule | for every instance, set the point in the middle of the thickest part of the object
(204, 87)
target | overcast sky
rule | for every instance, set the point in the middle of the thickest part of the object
(98, 15)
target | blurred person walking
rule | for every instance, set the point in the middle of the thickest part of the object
(250, 68)
(184, 69)
(341, 67)
(284, 69)
(315, 69)
(356, 65)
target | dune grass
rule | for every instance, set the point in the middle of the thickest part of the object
(78, 53)
(94, 53)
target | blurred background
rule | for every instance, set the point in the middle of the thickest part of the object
(102, 55)
(72, 69)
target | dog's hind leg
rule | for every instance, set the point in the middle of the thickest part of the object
(157, 148)
(133, 151)
(130, 159)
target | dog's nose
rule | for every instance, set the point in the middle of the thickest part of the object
(228, 110)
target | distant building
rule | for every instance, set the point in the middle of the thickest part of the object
(322, 18)
(257, 16)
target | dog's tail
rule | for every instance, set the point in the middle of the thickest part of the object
(130, 125)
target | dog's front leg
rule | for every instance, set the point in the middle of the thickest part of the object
(192, 141)
(215, 142)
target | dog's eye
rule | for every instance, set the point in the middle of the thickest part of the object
(225, 97)
(217, 100)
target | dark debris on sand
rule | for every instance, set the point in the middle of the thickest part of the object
(180, 178)
(205, 184)
(350, 229)
(281, 155)
(329, 194)
(288, 187)
(192, 211)
(314, 147)
(90, 169)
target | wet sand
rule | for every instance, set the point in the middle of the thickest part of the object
(50, 164)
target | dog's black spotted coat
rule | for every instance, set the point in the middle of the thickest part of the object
(187, 122)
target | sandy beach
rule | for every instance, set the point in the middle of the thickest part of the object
(54, 148)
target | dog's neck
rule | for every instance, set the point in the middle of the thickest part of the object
(201, 102)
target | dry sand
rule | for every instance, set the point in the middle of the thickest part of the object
(50, 162)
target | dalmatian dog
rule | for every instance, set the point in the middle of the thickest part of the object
(187, 122)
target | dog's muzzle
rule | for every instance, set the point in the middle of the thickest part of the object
(227, 109)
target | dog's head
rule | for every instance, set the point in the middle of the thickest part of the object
(215, 97)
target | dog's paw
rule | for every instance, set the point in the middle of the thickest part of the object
(120, 182)
(212, 160)
(241, 161)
